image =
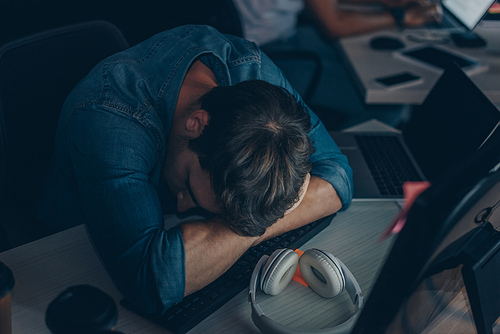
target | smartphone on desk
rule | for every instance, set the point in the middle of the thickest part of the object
(399, 80)
(433, 57)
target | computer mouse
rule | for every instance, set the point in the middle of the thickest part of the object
(386, 43)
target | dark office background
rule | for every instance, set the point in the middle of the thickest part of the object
(140, 19)
(137, 19)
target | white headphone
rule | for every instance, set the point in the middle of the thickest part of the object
(323, 272)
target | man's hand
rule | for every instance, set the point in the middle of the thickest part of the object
(210, 248)
(422, 13)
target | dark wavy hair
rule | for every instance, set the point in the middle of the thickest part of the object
(257, 150)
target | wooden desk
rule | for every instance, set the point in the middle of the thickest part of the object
(366, 64)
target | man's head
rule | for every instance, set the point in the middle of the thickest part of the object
(256, 151)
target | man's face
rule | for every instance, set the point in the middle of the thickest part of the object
(188, 182)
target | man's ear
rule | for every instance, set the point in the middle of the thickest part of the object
(197, 121)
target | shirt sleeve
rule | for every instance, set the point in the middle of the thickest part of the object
(113, 156)
(328, 161)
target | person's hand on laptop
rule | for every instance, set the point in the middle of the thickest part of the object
(421, 13)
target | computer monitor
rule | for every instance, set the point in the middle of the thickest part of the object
(442, 221)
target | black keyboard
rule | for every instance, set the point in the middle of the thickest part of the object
(388, 162)
(193, 309)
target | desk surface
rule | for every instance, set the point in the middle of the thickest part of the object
(46, 267)
(366, 64)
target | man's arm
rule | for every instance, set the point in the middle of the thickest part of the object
(336, 22)
(211, 248)
(114, 158)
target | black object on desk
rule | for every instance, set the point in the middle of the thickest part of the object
(439, 58)
(193, 309)
(467, 40)
(81, 309)
(386, 43)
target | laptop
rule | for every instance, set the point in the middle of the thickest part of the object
(454, 121)
(464, 13)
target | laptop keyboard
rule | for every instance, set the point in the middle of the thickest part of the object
(193, 309)
(388, 162)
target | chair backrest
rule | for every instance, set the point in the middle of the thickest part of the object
(37, 72)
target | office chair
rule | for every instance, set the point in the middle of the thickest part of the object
(37, 72)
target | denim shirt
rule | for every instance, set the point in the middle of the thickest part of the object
(110, 147)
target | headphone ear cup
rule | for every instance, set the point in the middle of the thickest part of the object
(278, 271)
(322, 272)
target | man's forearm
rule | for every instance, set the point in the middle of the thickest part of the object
(337, 23)
(211, 248)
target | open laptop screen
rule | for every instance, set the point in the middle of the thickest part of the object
(468, 12)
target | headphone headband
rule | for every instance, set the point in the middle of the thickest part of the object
(268, 326)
